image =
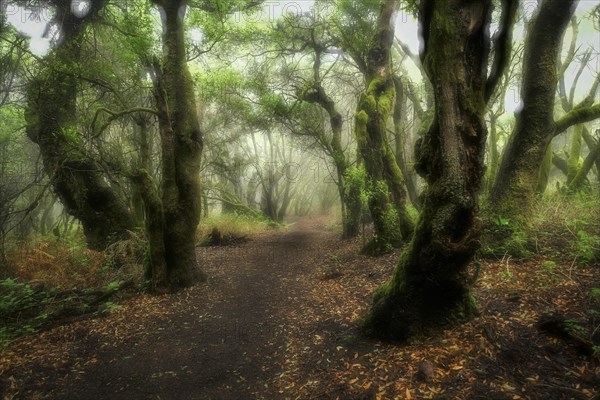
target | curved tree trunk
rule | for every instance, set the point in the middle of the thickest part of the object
(429, 287)
(514, 189)
(76, 178)
(350, 212)
(387, 200)
(316, 94)
(574, 153)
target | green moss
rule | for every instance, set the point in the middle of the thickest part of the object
(369, 103)
(379, 97)
(544, 171)
(402, 309)
(382, 291)
(386, 102)
(361, 118)
(376, 85)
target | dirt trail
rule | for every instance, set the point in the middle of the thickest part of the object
(220, 340)
(278, 320)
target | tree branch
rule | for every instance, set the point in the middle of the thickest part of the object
(503, 46)
(578, 115)
(581, 176)
(116, 115)
(584, 61)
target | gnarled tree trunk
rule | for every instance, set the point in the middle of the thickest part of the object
(429, 287)
(387, 199)
(76, 178)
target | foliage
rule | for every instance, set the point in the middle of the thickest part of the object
(234, 227)
(563, 227)
(355, 180)
(502, 237)
(68, 264)
(25, 309)
(19, 305)
(587, 246)
(567, 228)
(353, 24)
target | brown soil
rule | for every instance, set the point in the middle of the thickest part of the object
(278, 320)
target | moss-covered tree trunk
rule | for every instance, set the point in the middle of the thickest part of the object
(387, 198)
(429, 287)
(181, 145)
(574, 153)
(317, 95)
(514, 188)
(142, 141)
(353, 190)
(51, 112)
(156, 266)
(543, 176)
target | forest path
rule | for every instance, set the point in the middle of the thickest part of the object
(226, 339)
(278, 319)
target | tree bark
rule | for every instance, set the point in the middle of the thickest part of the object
(387, 199)
(181, 145)
(574, 153)
(513, 192)
(429, 288)
(544, 171)
(142, 141)
(156, 267)
(76, 178)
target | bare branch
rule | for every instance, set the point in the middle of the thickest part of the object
(116, 115)
(582, 65)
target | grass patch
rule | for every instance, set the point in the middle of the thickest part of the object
(232, 228)
(67, 263)
(567, 228)
(564, 228)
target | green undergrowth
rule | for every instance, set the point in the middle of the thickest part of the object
(564, 228)
(49, 280)
(567, 228)
(27, 308)
(229, 228)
